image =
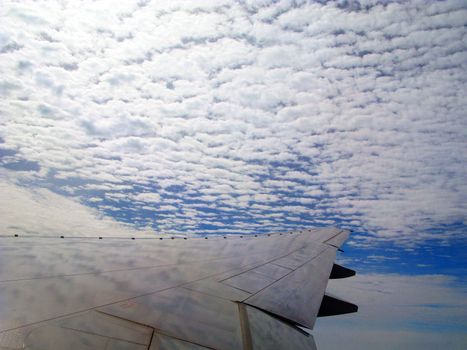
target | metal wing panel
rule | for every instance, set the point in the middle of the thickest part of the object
(163, 342)
(250, 281)
(338, 239)
(270, 333)
(185, 314)
(160, 284)
(300, 257)
(89, 330)
(272, 270)
(214, 288)
(297, 296)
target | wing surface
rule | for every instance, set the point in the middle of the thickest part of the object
(236, 292)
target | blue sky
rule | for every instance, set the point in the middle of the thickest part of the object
(208, 117)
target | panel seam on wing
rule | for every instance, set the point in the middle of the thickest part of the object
(279, 279)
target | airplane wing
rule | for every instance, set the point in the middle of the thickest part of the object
(232, 292)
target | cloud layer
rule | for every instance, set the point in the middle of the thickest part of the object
(41, 212)
(242, 116)
(397, 312)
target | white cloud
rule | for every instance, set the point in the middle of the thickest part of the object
(397, 311)
(42, 212)
(343, 110)
(147, 197)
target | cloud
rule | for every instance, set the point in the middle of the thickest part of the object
(42, 212)
(397, 311)
(250, 116)
(148, 197)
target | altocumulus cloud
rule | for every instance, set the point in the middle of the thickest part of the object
(242, 116)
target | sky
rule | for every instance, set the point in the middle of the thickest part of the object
(237, 117)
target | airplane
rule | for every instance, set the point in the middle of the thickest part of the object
(260, 291)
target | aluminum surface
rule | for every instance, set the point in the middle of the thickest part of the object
(270, 333)
(298, 295)
(185, 289)
(249, 281)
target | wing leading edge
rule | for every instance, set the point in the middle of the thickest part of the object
(217, 293)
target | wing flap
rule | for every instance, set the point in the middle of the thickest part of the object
(267, 332)
(85, 331)
(164, 342)
(184, 314)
